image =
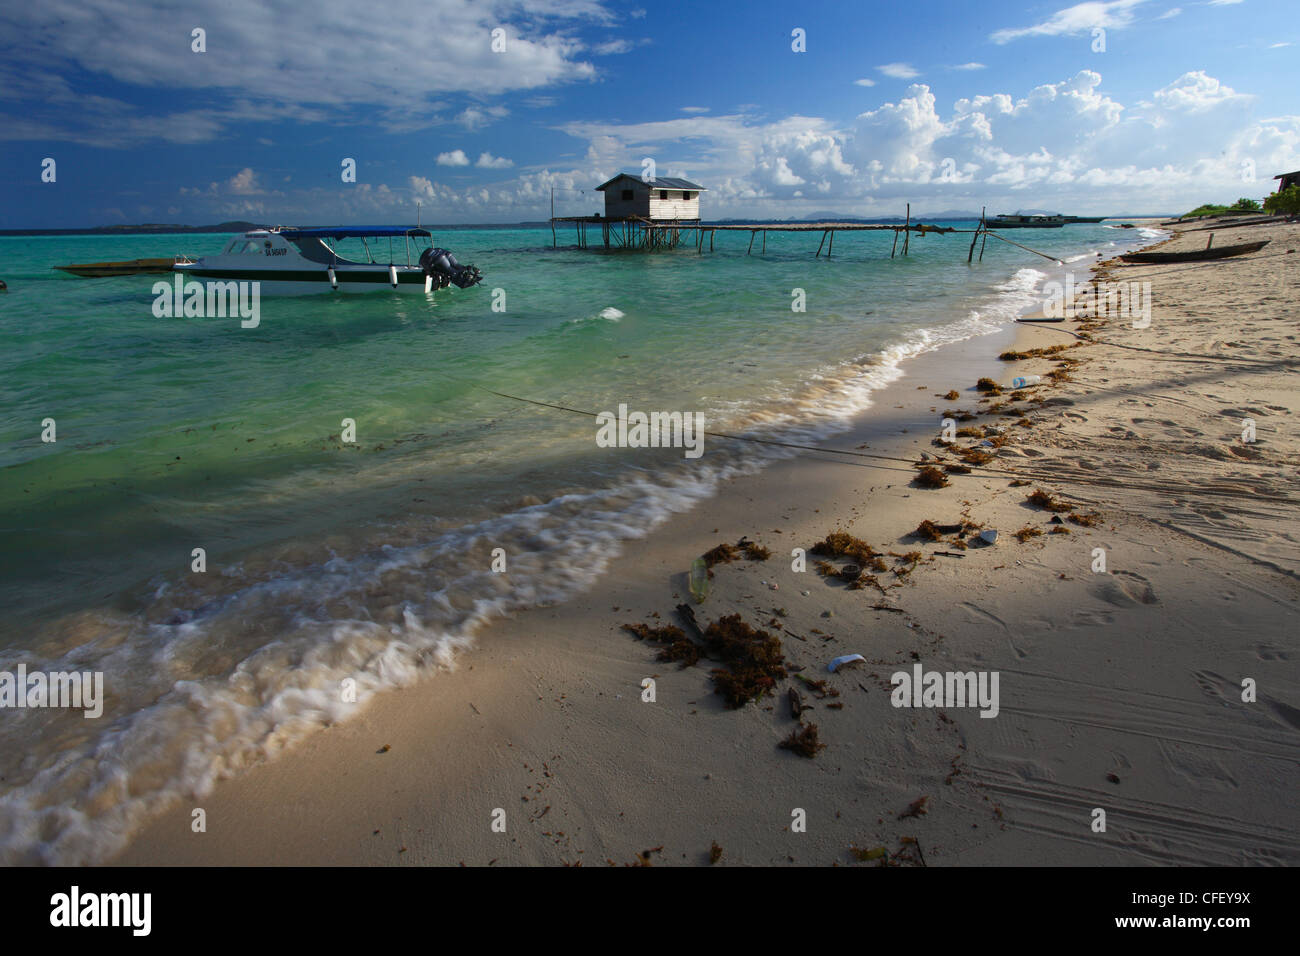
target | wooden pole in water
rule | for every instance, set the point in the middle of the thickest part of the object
(907, 228)
(819, 247)
(976, 236)
(895, 246)
(764, 240)
(752, 234)
(552, 217)
(831, 247)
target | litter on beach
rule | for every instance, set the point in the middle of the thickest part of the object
(989, 537)
(842, 660)
(699, 580)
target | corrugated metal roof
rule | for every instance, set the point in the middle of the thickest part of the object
(664, 183)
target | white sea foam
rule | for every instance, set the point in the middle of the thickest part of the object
(612, 314)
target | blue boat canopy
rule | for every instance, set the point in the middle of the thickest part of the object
(353, 232)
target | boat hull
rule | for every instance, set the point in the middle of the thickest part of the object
(313, 281)
(1195, 255)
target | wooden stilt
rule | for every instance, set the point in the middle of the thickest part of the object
(819, 247)
(752, 234)
(907, 228)
(831, 247)
(976, 236)
(764, 240)
(895, 247)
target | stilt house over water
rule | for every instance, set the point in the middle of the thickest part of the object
(659, 200)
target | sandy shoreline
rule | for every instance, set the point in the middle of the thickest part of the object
(1119, 690)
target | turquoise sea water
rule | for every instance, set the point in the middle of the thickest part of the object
(371, 560)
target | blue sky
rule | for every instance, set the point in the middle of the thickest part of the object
(948, 105)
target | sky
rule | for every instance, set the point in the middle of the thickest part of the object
(479, 110)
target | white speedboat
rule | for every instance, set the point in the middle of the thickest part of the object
(300, 261)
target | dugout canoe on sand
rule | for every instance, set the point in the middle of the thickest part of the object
(1195, 255)
(129, 267)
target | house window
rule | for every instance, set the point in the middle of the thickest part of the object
(627, 195)
(663, 194)
(688, 195)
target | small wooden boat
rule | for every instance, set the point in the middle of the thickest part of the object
(130, 267)
(1196, 255)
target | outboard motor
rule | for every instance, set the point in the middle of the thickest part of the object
(441, 266)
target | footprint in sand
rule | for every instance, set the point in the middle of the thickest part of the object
(1285, 714)
(1271, 652)
(1216, 686)
(1123, 589)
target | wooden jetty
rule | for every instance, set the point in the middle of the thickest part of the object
(636, 232)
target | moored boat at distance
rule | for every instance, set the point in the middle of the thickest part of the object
(289, 261)
(1018, 221)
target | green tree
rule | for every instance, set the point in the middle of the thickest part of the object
(1285, 202)
(1249, 205)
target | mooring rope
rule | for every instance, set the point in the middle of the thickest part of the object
(1056, 259)
(1187, 356)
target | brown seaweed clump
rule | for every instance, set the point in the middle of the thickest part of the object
(722, 554)
(803, 741)
(755, 552)
(715, 853)
(988, 386)
(841, 544)
(675, 645)
(1044, 499)
(931, 477)
(952, 395)
(754, 660)
(927, 531)
(1027, 532)
(1090, 520)
(974, 456)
